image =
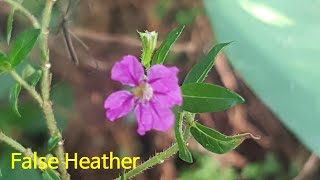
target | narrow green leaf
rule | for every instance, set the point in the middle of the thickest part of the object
(123, 177)
(165, 46)
(14, 95)
(202, 97)
(35, 77)
(50, 174)
(215, 141)
(200, 71)
(23, 45)
(4, 62)
(53, 142)
(9, 25)
(184, 152)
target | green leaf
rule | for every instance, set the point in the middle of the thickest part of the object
(283, 71)
(23, 46)
(4, 62)
(35, 77)
(27, 71)
(215, 141)
(53, 142)
(165, 46)
(31, 75)
(200, 71)
(123, 177)
(9, 25)
(50, 174)
(184, 152)
(202, 97)
(14, 95)
(10, 22)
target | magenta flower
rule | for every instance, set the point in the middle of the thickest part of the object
(152, 97)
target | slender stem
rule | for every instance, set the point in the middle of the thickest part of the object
(25, 85)
(45, 88)
(27, 152)
(160, 157)
(13, 143)
(25, 11)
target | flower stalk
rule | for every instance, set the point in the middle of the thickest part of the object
(159, 158)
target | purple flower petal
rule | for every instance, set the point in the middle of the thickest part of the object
(163, 79)
(153, 116)
(164, 82)
(119, 104)
(128, 71)
(169, 99)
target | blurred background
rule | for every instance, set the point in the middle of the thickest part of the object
(272, 63)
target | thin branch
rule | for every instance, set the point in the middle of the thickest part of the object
(25, 85)
(26, 12)
(310, 168)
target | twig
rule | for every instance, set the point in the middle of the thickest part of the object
(310, 168)
(26, 12)
(25, 85)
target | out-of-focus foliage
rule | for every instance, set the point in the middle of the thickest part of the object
(18, 172)
(270, 168)
(183, 16)
(276, 52)
(30, 126)
(207, 167)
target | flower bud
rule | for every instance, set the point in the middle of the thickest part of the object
(149, 43)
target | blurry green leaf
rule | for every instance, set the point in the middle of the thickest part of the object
(207, 168)
(162, 8)
(253, 171)
(35, 77)
(184, 152)
(53, 142)
(165, 46)
(18, 173)
(9, 25)
(27, 71)
(123, 177)
(31, 75)
(200, 71)
(0, 173)
(4, 62)
(215, 141)
(23, 45)
(50, 174)
(187, 16)
(281, 69)
(202, 97)
(14, 98)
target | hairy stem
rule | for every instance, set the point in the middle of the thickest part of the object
(13, 143)
(45, 88)
(26, 86)
(161, 157)
(25, 11)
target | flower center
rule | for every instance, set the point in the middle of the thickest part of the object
(143, 92)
